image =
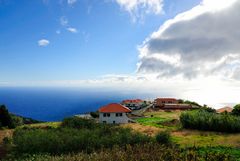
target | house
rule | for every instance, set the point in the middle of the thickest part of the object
(134, 104)
(224, 109)
(160, 102)
(114, 113)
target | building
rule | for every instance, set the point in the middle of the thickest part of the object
(160, 102)
(224, 109)
(114, 113)
(177, 107)
(133, 104)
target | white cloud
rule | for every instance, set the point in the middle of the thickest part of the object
(43, 42)
(63, 21)
(71, 2)
(139, 8)
(203, 41)
(72, 30)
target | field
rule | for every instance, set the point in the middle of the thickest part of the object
(154, 122)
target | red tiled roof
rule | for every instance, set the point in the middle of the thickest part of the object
(227, 109)
(114, 107)
(167, 99)
(132, 101)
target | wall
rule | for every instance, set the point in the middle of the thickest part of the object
(118, 120)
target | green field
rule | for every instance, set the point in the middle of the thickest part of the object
(167, 121)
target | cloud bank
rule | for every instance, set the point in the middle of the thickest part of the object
(203, 41)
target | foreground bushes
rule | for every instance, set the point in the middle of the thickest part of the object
(203, 120)
(148, 152)
(79, 123)
(74, 136)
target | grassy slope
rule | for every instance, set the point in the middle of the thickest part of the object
(182, 136)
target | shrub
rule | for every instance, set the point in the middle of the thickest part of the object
(74, 137)
(77, 122)
(5, 118)
(148, 152)
(203, 120)
(236, 110)
(163, 137)
(94, 114)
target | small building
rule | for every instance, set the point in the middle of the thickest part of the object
(133, 104)
(224, 109)
(160, 102)
(114, 113)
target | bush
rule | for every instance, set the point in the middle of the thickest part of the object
(77, 122)
(148, 152)
(94, 114)
(74, 136)
(163, 137)
(5, 118)
(236, 110)
(203, 120)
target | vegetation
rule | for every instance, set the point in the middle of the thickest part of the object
(148, 151)
(5, 118)
(208, 109)
(168, 120)
(94, 114)
(8, 120)
(163, 137)
(203, 120)
(236, 110)
(189, 102)
(74, 135)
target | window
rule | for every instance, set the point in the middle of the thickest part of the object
(114, 122)
(106, 114)
(118, 114)
(104, 122)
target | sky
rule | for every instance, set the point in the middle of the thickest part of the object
(187, 49)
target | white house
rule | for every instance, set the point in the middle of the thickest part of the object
(133, 104)
(114, 113)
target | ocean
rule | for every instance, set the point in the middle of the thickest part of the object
(54, 104)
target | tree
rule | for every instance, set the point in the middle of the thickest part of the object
(236, 110)
(5, 118)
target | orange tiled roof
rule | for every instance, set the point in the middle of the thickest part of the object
(228, 109)
(167, 99)
(113, 108)
(132, 101)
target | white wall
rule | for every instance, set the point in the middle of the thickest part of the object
(118, 120)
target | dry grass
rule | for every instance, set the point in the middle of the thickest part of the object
(5, 133)
(44, 125)
(148, 130)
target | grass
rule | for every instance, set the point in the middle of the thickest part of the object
(183, 137)
(43, 125)
(165, 120)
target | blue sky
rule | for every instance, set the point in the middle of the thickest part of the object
(179, 48)
(105, 43)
